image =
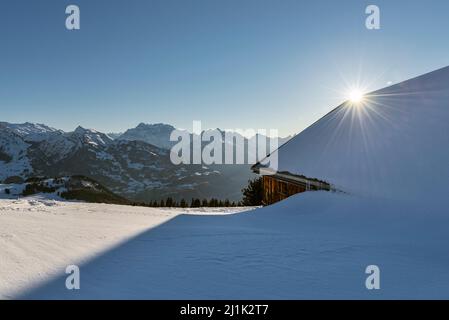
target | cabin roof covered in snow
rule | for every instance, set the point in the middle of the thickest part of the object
(395, 143)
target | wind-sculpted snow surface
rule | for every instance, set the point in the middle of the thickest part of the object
(313, 245)
(394, 143)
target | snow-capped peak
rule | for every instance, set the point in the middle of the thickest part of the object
(81, 130)
(156, 134)
(29, 131)
(91, 137)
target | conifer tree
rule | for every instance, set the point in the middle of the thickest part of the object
(253, 193)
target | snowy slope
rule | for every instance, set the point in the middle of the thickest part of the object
(31, 131)
(90, 137)
(394, 145)
(39, 237)
(313, 245)
(57, 146)
(13, 155)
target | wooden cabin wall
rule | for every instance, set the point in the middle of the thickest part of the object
(276, 190)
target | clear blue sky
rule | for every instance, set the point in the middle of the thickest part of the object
(232, 64)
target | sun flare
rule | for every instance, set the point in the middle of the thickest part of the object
(355, 96)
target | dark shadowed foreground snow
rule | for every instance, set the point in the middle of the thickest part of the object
(313, 245)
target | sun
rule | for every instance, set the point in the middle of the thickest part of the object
(355, 96)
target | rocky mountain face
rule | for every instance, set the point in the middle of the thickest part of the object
(14, 159)
(155, 134)
(135, 165)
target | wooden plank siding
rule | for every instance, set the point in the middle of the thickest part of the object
(277, 187)
(276, 190)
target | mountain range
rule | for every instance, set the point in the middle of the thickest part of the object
(135, 164)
